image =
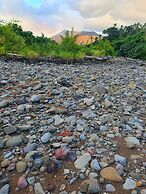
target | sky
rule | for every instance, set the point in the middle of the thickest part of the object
(52, 16)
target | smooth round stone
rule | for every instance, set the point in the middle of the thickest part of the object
(132, 142)
(58, 120)
(103, 128)
(22, 183)
(38, 162)
(5, 163)
(4, 103)
(111, 174)
(56, 145)
(36, 98)
(14, 141)
(45, 138)
(29, 147)
(129, 184)
(21, 166)
(93, 175)
(9, 129)
(111, 136)
(110, 188)
(95, 165)
(94, 138)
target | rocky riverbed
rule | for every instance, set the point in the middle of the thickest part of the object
(73, 128)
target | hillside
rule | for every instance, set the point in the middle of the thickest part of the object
(83, 37)
(75, 128)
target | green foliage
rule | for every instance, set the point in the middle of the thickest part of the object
(9, 40)
(13, 39)
(128, 41)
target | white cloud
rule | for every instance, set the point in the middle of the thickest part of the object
(52, 16)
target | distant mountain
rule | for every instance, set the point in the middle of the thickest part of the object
(84, 37)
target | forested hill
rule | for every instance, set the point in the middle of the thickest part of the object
(127, 41)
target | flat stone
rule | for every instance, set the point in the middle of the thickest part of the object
(4, 103)
(82, 161)
(36, 98)
(45, 138)
(110, 188)
(132, 142)
(38, 189)
(21, 166)
(129, 184)
(111, 174)
(5, 163)
(22, 183)
(58, 120)
(90, 186)
(9, 129)
(5, 189)
(120, 159)
(14, 141)
(95, 165)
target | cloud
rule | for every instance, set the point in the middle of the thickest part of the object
(52, 16)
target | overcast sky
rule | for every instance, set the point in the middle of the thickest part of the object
(53, 16)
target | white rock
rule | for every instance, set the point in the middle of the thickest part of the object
(58, 120)
(129, 184)
(45, 138)
(88, 101)
(38, 189)
(132, 142)
(82, 161)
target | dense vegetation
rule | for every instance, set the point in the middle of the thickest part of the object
(13, 39)
(128, 41)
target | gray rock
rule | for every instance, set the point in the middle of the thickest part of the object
(110, 188)
(58, 120)
(9, 129)
(90, 186)
(95, 165)
(21, 166)
(89, 114)
(14, 141)
(38, 189)
(120, 169)
(132, 142)
(103, 128)
(31, 180)
(82, 161)
(36, 98)
(129, 184)
(143, 191)
(4, 103)
(45, 138)
(2, 143)
(5, 189)
(93, 175)
(120, 159)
